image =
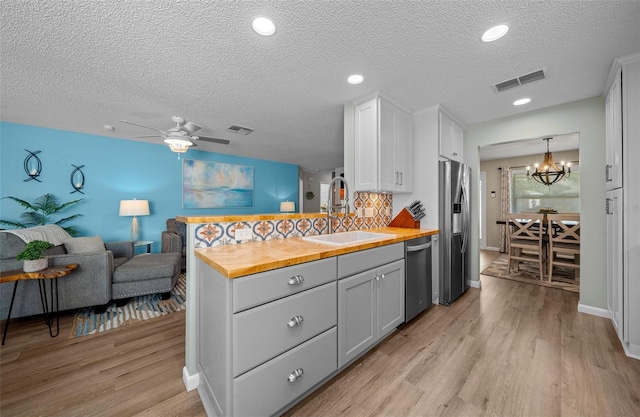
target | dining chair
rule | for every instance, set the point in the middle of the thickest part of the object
(525, 240)
(564, 242)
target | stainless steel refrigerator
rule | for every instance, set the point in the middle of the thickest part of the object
(454, 225)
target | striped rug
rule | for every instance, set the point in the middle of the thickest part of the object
(139, 309)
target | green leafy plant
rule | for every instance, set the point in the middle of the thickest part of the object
(41, 211)
(33, 250)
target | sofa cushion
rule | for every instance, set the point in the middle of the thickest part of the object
(148, 266)
(10, 245)
(79, 245)
(56, 250)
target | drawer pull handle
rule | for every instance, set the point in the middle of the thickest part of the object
(295, 321)
(382, 276)
(295, 375)
(296, 279)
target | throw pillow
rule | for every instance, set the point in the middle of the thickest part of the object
(78, 245)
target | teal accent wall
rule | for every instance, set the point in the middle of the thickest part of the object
(118, 169)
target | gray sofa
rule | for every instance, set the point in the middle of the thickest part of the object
(89, 285)
(174, 239)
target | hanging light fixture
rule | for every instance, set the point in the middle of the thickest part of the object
(549, 173)
(178, 144)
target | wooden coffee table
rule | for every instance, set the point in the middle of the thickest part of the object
(52, 273)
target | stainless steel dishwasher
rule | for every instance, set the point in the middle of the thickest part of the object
(417, 276)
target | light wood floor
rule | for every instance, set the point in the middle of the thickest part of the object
(509, 349)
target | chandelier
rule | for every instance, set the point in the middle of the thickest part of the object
(549, 173)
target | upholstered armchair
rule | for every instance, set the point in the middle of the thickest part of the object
(174, 239)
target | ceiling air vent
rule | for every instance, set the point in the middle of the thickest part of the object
(540, 74)
(239, 130)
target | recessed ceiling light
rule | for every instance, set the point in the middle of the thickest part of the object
(355, 79)
(521, 101)
(263, 26)
(495, 33)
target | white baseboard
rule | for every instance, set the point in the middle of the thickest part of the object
(475, 284)
(594, 311)
(491, 248)
(190, 381)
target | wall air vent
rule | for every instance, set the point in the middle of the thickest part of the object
(540, 74)
(239, 130)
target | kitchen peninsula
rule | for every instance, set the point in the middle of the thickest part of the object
(275, 319)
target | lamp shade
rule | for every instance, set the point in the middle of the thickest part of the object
(134, 207)
(287, 206)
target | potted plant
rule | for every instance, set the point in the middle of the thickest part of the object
(32, 256)
(41, 212)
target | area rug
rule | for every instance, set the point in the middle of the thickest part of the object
(563, 278)
(138, 309)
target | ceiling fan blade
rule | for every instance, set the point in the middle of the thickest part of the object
(190, 127)
(215, 140)
(141, 125)
(149, 136)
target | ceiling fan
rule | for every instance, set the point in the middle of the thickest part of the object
(180, 137)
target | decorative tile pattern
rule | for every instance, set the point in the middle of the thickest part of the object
(216, 234)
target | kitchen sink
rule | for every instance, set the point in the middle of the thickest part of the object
(346, 238)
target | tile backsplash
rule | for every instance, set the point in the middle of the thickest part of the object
(223, 233)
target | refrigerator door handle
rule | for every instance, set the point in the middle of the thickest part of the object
(465, 219)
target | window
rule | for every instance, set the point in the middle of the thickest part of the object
(529, 195)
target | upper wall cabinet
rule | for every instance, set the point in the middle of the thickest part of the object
(383, 147)
(450, 137)
(613, 168)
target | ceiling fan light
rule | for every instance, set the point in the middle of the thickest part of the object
(178, 142)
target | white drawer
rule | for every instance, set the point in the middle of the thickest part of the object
(264, 332)
(266, 389)
(261, 288)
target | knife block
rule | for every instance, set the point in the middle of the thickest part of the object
(405, 219)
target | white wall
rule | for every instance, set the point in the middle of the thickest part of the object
(588, 118)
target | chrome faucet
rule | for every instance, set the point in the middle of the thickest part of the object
(331, 206)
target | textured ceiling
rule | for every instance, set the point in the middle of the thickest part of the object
(79, 64)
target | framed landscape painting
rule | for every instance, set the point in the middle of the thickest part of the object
(208, 184)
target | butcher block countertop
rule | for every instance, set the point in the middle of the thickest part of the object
(234, 261)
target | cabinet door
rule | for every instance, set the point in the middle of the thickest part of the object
(356, 315)
(450, 136)
(366, 146)
(458, 145)
(614, 260)
(613, 168)
(404, 152)
(390, 297)
(389, 175)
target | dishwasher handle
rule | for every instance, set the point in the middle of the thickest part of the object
(418, 247)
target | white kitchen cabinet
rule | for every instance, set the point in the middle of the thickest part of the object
(623, 201)
(613, 168)
(614, 258)
(382, 147)
(450, 137)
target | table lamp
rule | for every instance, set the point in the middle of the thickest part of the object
(287, 207)
(134, 208)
